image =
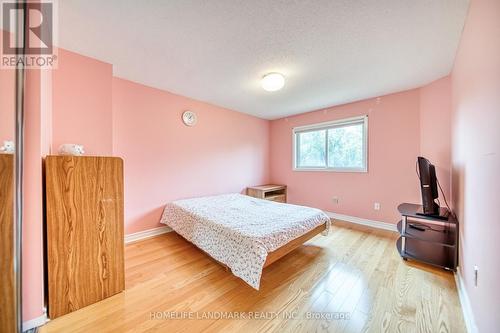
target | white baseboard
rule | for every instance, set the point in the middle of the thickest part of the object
(35, 322)
(365, 222)
(146, 234)
(470, 323)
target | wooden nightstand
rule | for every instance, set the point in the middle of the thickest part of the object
(268, 192)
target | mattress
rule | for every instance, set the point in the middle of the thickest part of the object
(239, 231)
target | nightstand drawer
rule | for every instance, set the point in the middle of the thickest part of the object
(277, 198)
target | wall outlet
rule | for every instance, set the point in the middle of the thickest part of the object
(376, 206)
(476, 270)
(335, 200)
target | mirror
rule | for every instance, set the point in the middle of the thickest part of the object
(9, 321)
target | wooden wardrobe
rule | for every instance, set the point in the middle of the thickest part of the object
(85, 241)
(7, 292)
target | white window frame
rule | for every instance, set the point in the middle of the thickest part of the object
(326, 126)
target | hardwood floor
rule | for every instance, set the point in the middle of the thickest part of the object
(350, 281)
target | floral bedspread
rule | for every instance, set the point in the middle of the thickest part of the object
(239, 231)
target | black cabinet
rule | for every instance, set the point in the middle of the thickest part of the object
(427, 239)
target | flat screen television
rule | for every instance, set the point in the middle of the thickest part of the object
(429, 189)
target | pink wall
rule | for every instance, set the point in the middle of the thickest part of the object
(7, 105)
(33, 211)
(7, 102)
(435, 129)
(166, 160)
(82, 103)
(476, 158)
(394, 144)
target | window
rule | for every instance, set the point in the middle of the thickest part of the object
(333, 146)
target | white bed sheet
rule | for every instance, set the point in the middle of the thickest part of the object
(239, 231)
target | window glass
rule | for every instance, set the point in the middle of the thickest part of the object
(333, 146)
(345, 147)
(312, 149)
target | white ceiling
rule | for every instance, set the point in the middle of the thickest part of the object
(331, 51)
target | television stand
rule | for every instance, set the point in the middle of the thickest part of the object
(442, 215)
(429, 239)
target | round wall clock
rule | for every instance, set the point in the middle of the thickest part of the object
(189, 118)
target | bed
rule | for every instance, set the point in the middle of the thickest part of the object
(244, 233)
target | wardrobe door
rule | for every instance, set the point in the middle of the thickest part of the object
(84, 197)
(7, 293)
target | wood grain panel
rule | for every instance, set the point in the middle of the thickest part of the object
(85, 238)
(255, 193)
(7, 292)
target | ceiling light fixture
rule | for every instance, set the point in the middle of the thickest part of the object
(273, 82)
